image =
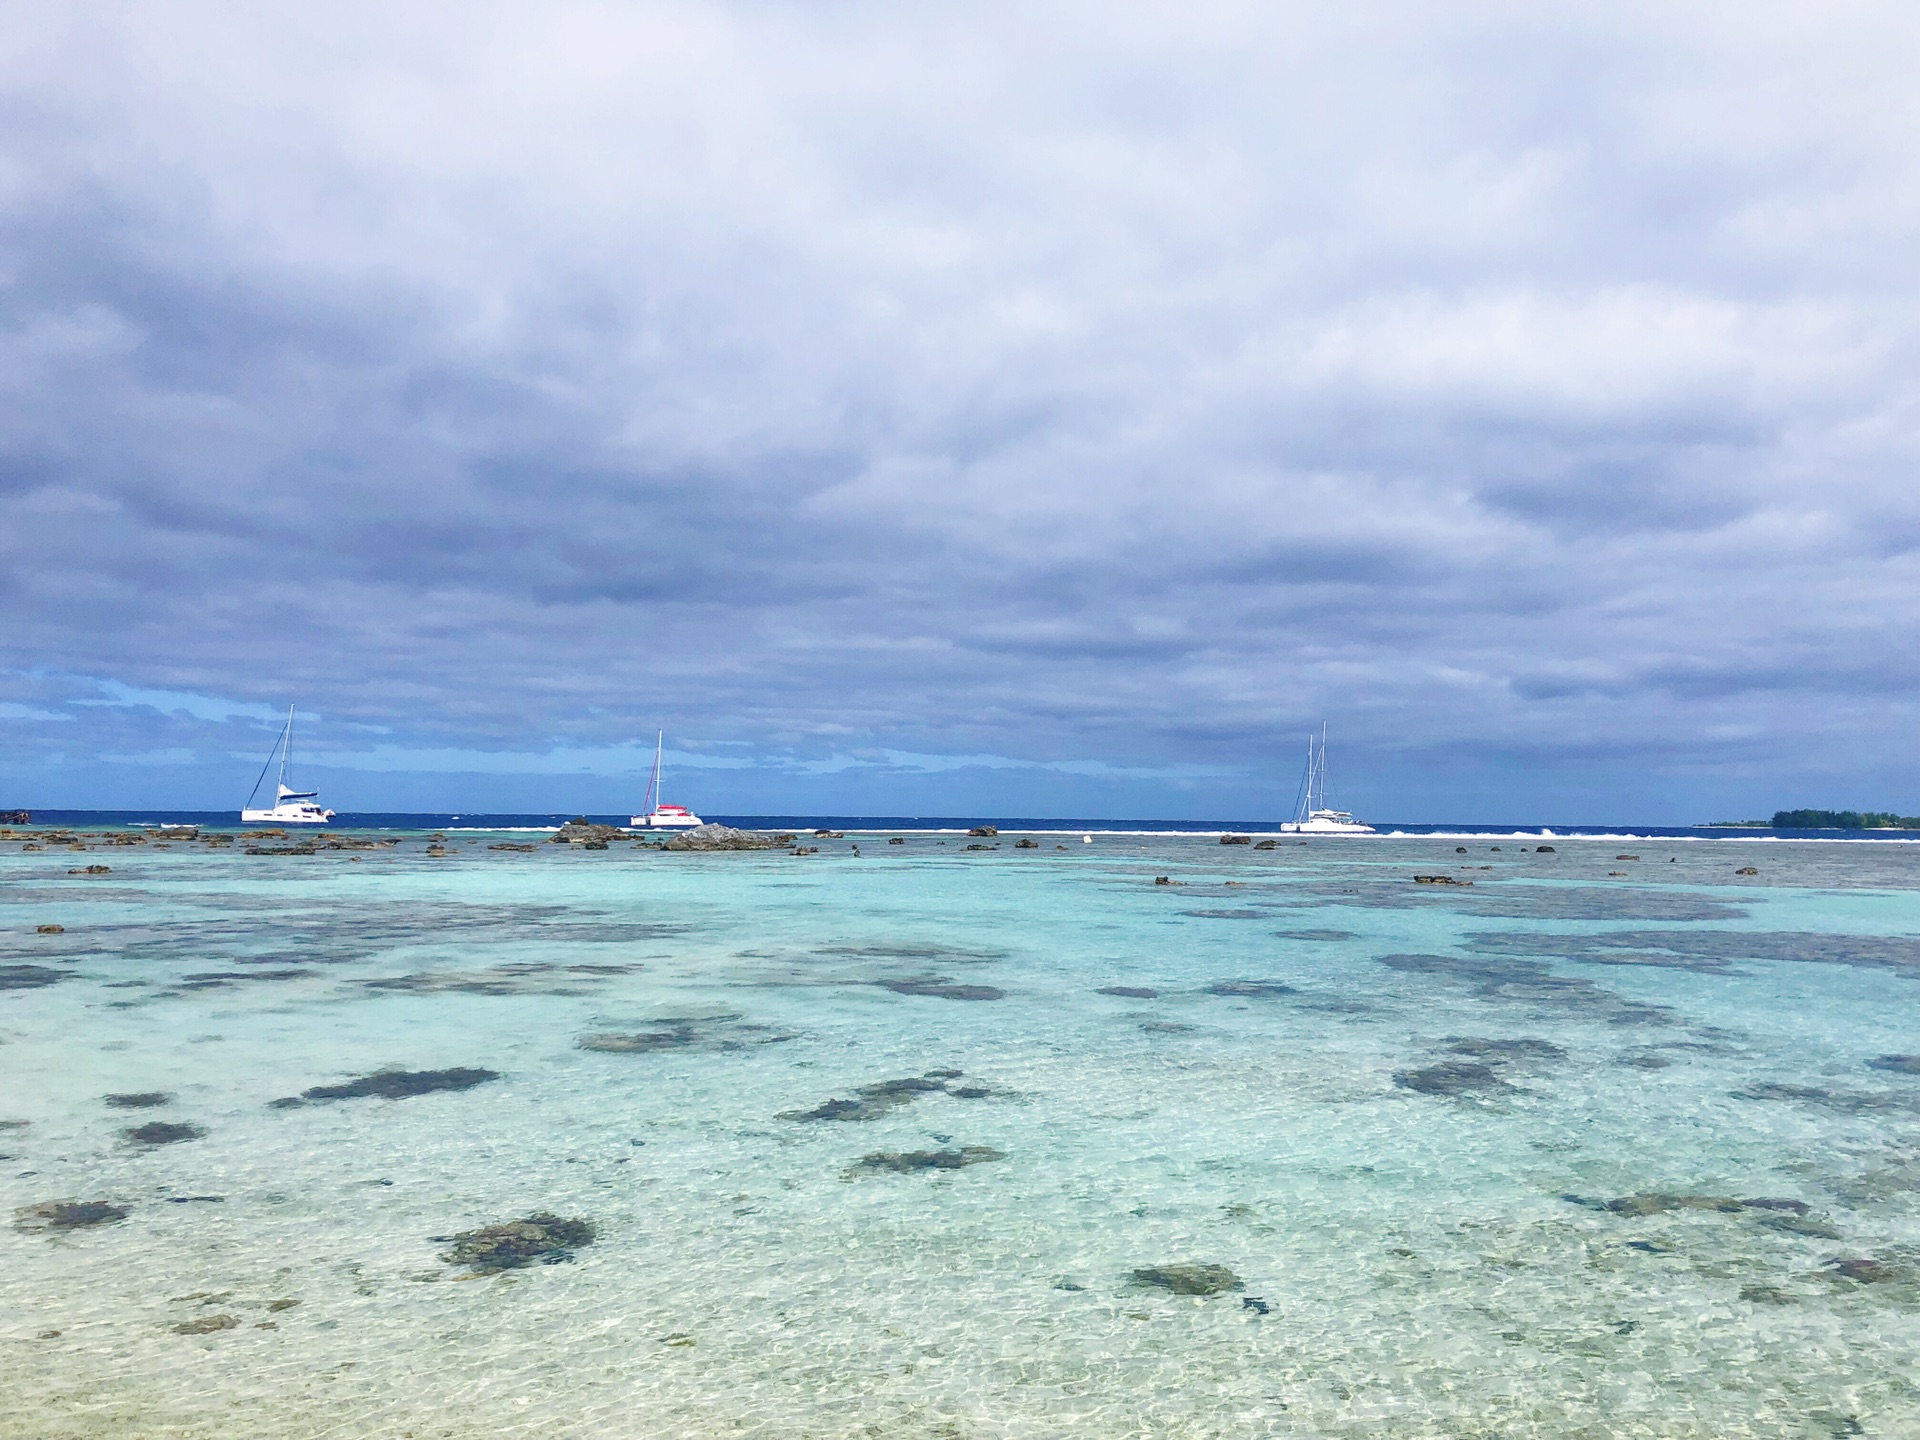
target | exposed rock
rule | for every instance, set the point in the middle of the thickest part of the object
(1130, 992)
(1455, 1077)
(49, 929)
(941, 987)
(907, 1161)
(542, 1237)
(1025, 844)
(1189, 1279)
(1439, 880)
(139, 1100)
(69, 1214)
(1746, 870)
(983, 847)
(1543, 850)
(162, 1132)
(1267, 845)
(984, 830)
(582, 831)
(1236, 840)
(717, 837)
(92, 870)
(897, 840)
(394, 1085)
(28, 977)
(206, 1325)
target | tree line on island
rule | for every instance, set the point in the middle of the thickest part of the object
(1843, 820)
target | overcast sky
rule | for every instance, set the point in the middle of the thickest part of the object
(1028, 408)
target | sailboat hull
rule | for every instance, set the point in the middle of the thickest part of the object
(287, 815)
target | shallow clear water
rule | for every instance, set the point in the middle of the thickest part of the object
(1423, 1248)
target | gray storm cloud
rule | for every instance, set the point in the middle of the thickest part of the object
(1529, 391)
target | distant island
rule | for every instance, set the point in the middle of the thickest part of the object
(1843, 820)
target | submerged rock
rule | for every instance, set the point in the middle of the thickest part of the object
(906, 1161)
(1898, 1064)
(1864, 1271)
(1660, 1203)
(877, 1100)
(162, 1132)
(521, 978)
(1129, 992)
(139, 1100)
(1455, 1077)
(543, 1237)
(940, 987)
(393, 1085)
(717, 837)
(642, 1042)
(207, 1325)
(1189, 1279)
(1498, 1050)
(1256, 989)
(1801, 1225)
(69, 1214)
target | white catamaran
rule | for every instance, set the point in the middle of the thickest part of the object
(657, 815)
(1315, 814)
(290, 807)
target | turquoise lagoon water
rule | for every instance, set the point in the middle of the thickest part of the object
(1423, 1247)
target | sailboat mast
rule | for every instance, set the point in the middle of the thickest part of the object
(652, 801)
(286, 752)
(1325, 803)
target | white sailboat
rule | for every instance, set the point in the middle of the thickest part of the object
(657, 815)
(290, 806)
(1315, 814)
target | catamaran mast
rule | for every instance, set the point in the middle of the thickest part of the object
(652, 802)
